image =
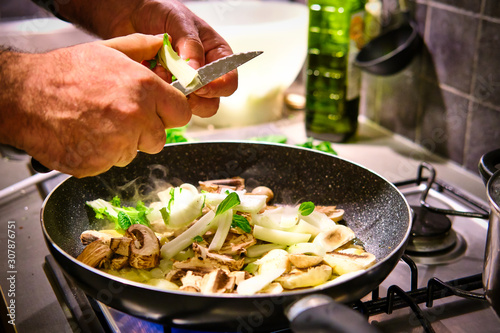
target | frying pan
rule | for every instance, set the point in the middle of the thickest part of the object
(376, 211)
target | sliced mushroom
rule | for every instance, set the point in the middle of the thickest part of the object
(236, 244)
(120, 246)
(217, 282)
(314, 276)
(199, 265)
(343, 263)
(90, 236)
(239, 276)
(175, 275)
(96, 254)
(118, 262)
(191, 282)
(232, 264)
(332, 212)
(304, 260)
(216, 185)
(333, 238)
(144, 248)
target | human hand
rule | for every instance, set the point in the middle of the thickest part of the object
(89, 107)
(192, 38)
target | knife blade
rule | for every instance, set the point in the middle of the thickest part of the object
(216, 69)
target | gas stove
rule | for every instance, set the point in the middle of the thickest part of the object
(436, 287)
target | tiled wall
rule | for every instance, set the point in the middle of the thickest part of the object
(448, 99)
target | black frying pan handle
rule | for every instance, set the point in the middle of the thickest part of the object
(489, 164)
(319, 313)
(39, 167)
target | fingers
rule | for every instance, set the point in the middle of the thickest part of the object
(172, 106)
(137, 47)
(153, 140)
(203, 107)
(189, 46)
(225, 85)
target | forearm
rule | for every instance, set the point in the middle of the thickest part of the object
(105, 19)
(13, 71)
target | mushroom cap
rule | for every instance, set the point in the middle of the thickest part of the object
(334, 238)
(96, 254)
(144, 248)
(264, 190)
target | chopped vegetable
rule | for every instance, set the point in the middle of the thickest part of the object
(181, 206)
(275, 138)
(261, 249)
(323, 146)
(258, 282)
(279, 236)
(122, 216)
(170, 60)
(224, 224)
(175, 135)
(185, 239)
(219, 238)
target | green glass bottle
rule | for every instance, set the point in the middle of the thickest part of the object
(332, 83)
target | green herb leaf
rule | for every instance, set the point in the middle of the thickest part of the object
(152, 63)
(326, 147)
(116, 201)
(241, 222)
(306, 208)
(124, 220)
(231, 201)
(307, 144)
(275, 138)
(165, 215)
(198, 239)
(171, 200)
(100, 213)
(175, 135)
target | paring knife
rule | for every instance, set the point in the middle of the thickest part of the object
(216, 69)
(206, 74)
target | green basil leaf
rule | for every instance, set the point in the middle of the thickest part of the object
(241, 222)
(306, 208)
(231, 201)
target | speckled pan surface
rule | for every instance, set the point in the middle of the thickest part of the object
(374, 208)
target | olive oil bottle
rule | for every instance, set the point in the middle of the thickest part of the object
(333, 82)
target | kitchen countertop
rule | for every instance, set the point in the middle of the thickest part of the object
(37, 308)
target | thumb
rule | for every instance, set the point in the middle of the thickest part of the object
(138, 47)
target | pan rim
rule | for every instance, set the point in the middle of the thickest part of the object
(301, 292)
